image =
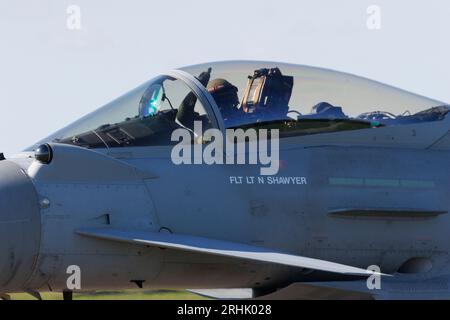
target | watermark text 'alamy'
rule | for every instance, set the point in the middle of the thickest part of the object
(251, 147)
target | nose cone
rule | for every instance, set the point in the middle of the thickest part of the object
(19, 227)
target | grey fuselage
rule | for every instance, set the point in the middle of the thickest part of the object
(377, 197)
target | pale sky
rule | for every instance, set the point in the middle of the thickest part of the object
(51, 75)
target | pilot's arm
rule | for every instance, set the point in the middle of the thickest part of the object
(186, 114)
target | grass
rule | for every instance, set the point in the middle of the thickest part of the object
(115, 295)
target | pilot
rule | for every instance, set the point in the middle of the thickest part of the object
(226, 96)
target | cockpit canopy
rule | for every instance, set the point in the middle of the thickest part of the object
(298, 100)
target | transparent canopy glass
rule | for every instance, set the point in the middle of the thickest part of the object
(146, 116)
(358, 98)
(296, 99)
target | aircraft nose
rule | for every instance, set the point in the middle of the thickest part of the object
(19, 227)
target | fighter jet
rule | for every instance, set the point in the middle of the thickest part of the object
(237, 179)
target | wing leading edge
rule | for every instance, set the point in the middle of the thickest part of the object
(219, 248)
